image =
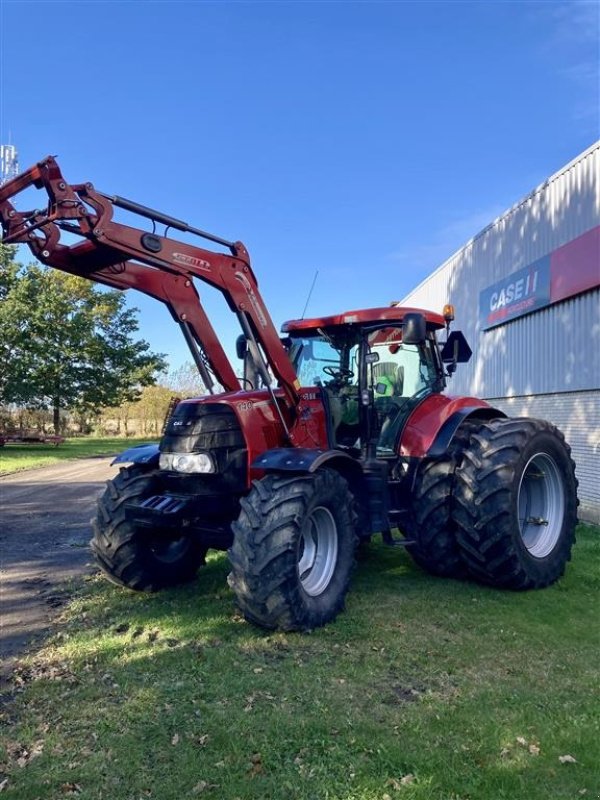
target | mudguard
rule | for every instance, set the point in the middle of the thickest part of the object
(299, 459)
(442, 441)
(426, 425)
(140, 454)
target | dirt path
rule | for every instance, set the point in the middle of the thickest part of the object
(44, 533)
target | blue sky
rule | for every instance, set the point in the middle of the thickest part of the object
(367, 141)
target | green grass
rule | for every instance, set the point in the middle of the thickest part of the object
(14, 458)
(424, 689)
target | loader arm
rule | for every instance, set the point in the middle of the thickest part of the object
(125, 257)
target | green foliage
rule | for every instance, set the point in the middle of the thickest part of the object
(152, 408)
(186, 381)
(146, 415)
(66, 344)
(8, 270)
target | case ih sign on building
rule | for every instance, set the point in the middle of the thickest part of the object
(519, 293)
(547, 280)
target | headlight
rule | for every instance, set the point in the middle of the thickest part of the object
(186, 462)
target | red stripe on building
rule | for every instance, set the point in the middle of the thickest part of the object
(575, 267)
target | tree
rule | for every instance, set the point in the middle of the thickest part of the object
(8, 269)
(66, 344)
(186, 381)
(152, 407)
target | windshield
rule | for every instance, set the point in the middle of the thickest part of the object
(316, 360)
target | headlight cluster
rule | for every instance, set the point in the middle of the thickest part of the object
(187, 462)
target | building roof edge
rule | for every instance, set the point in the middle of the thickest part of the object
(540, 188)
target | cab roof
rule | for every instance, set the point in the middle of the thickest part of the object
(362, 317)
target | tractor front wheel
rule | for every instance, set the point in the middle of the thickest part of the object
(515, 503)
(140, 558)
(293, 550)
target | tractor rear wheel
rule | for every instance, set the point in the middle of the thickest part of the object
(430, 524)
(141, 559)
(293, 550)
(516, 503)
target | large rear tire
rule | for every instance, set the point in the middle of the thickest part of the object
(429, 523)
(141, 559)
(516, 503)
(293, 550)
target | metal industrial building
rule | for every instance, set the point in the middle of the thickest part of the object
(527, 297)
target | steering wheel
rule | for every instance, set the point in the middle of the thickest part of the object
(338, 374)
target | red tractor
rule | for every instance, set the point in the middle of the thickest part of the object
(337, 431)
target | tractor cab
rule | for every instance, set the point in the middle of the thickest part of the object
(372, 367)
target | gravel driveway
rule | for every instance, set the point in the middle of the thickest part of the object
(44, 532)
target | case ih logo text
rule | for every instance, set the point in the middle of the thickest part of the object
(521, 289)
(191, 261)
(519, 293)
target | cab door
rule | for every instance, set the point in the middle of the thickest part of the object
(401, 376)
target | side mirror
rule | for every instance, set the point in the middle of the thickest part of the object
(241, 346)
(456, 349)
(414, 329)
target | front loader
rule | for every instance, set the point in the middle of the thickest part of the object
(337, 431)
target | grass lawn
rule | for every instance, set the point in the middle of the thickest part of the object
(424, 689)
(14, 458)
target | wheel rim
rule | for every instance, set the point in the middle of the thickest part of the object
(541, 504)
(171, 550)
(317, 551)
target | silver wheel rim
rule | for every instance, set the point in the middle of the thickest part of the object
(317, 551)
(541, 505)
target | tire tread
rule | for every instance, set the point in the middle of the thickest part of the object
(263, 555)
(121, 552)
(484, 496)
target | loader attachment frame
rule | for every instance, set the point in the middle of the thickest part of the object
(124, 257)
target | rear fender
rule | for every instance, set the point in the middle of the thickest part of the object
(446, 433)
(426, 426)
(147, 454)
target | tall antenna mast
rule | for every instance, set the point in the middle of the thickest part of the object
(9, 162)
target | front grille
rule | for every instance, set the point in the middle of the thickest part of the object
(163, 503)
(196, 427)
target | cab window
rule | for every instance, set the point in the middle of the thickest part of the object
(403, 374)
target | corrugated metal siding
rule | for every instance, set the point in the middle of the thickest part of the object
(577, 414)
(556, 349)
